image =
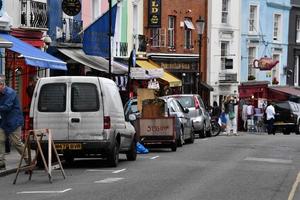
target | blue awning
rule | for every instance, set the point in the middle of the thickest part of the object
(34, 56)
(95, 36)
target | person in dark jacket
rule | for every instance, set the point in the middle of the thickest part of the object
(11, 121)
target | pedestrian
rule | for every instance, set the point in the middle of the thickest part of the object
(216, 111)
(270, 115)
(230, 111)
(11, 121)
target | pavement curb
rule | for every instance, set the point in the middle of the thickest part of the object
(8, 172)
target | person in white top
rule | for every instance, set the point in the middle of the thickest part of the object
(270, 112)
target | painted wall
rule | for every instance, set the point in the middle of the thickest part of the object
(262, 38)
(217, 32)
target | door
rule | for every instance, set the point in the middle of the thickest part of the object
(50, 109)
(86, 111)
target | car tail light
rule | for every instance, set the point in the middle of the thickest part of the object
(106, 122)
(197, 105)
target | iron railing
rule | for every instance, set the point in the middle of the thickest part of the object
(33, 14)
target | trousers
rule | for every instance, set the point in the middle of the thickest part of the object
(16, 141)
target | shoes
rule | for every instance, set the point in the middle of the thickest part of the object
(2, 167)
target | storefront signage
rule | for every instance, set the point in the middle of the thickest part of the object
(154, 13)
(177, 66)
(71, 7)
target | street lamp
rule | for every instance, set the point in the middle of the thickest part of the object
(200, 24)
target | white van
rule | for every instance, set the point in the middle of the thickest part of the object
(85, 116)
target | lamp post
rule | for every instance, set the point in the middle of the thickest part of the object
(200, 24)
(109, 35)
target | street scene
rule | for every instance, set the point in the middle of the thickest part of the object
(150, 99)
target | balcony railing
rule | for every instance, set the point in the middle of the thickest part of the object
(33, 14)
(70, 31)
(121, 49)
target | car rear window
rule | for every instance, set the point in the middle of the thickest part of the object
(52, 98)
(186, 102)
(84, 97)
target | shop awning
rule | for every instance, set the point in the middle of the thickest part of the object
(172, 80)
(34, 56)
(94, 62)
(5, 43)
(292, 91)
(206, 86)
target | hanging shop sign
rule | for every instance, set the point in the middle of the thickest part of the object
(154, 13)
(71, 7)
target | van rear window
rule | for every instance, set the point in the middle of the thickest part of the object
(52, 98)
(84, 97)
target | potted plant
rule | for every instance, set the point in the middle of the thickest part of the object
(275, 81)
(251, 77)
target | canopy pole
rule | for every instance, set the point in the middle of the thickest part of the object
(109, 35)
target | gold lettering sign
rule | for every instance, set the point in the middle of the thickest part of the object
(154, 13)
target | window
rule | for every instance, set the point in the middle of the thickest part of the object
(296, 71)
(171, 31)
(275, 70)
(52, 98)
(158, 37)
(224, 53)
(225, 5)
(251, 57)
(188, 33)
(253, 18)
(298, 29)
(84, 97)
(277, 27)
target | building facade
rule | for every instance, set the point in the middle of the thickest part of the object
(172, 40)
(293, 71)
(223, 48)
(264, 34)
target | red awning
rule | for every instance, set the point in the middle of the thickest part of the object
(293, 91)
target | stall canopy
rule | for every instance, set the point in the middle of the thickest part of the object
(289, 90)
(34, 56)
(94, 62)
(172, 80)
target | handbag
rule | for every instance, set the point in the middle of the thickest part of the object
(231, 115)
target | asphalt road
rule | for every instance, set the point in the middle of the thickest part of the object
(246, 167)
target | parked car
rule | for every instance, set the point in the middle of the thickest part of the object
(86, 111)
(287, 118)
(197, 112)
(184, 129)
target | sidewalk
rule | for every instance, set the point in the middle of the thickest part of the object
(12, 161)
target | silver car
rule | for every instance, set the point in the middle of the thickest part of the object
(197, 112)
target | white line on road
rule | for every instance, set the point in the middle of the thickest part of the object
(45, 192)
(294, 188)
(100, 170)
(270, 160)
(109, 180)
(118, 171)
(154, 157)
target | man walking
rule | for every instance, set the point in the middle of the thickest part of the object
(11, 121)
(270, 112)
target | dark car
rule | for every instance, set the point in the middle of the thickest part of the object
(287, 117)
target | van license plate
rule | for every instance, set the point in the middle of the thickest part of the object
(71, 146)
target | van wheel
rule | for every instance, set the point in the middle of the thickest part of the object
(131, 154)
(113, 156)
(297, 129)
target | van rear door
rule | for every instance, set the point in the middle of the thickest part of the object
(86, 110)
(50, 108)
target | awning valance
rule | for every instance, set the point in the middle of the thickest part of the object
(34, 56)
(172, 80)
(206, 86)
(94, 62)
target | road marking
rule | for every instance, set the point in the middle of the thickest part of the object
(270, 160)
(109, 180)
(294, 188)
(118, 171)
(45, 192)
(154, 157)
(204, 139)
